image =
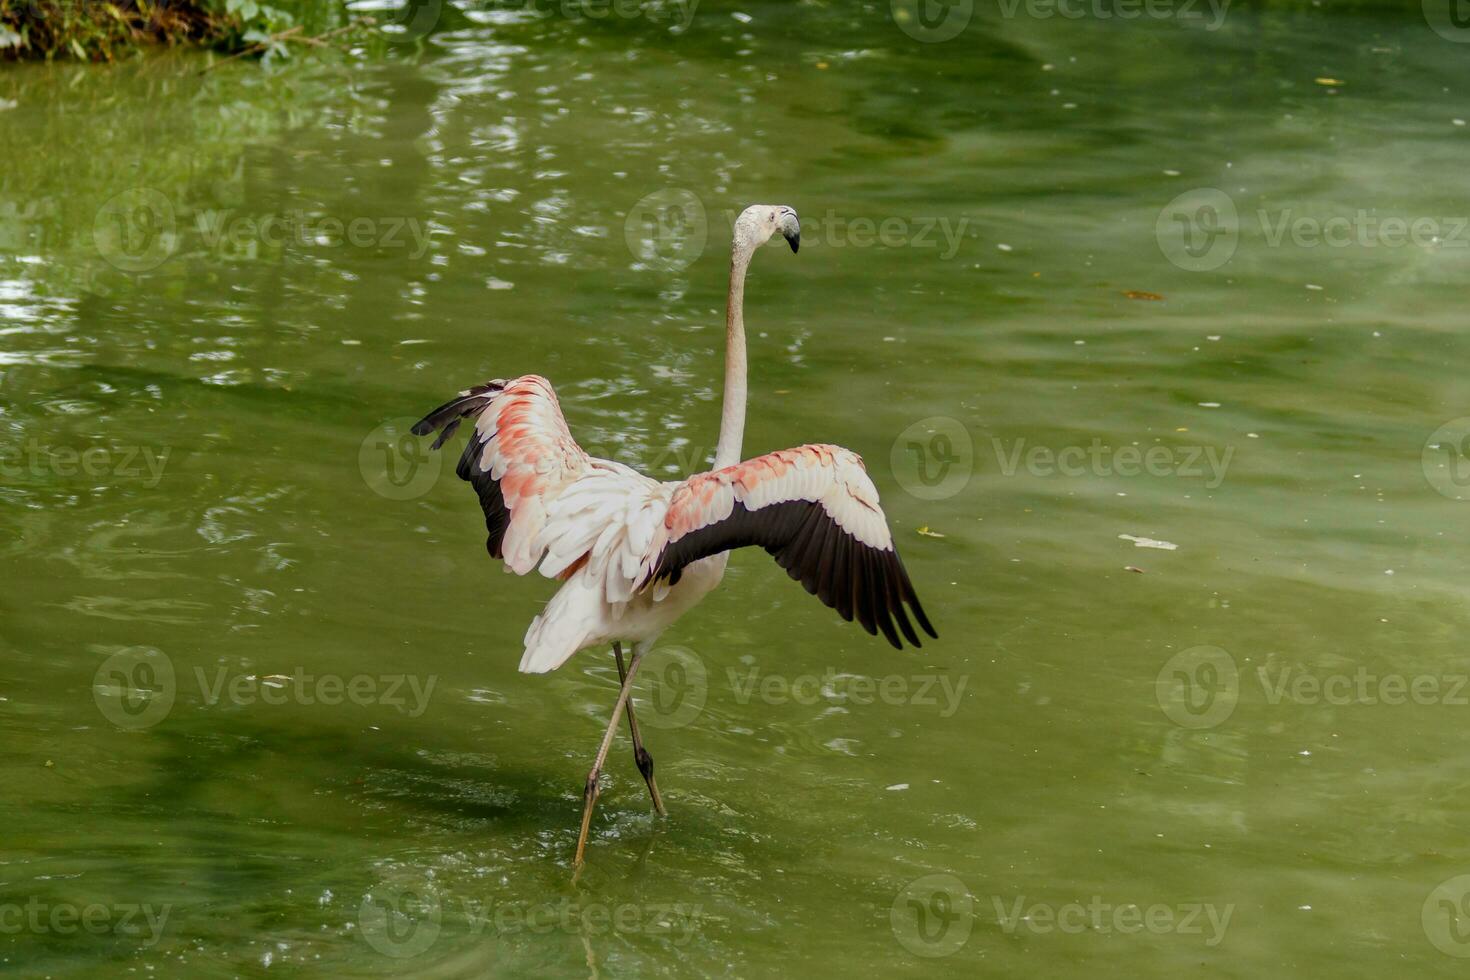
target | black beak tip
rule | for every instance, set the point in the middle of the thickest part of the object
(794, 241)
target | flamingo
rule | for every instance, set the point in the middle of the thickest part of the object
(635, 554)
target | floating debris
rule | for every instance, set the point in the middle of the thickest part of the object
(1142, 294)
(1149, 542)
(928, 533)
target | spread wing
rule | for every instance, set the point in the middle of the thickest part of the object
(815, 511)
(542, 495)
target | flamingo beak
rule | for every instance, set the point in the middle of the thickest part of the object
(791, 229)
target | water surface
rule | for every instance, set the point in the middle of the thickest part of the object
(1032, 254)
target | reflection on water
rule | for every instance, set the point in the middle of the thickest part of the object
(257, 675)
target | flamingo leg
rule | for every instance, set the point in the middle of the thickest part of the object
(590, 791)
(640, 754)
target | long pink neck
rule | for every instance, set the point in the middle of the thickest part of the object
(732, 416)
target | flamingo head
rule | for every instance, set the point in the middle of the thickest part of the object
(759, 222)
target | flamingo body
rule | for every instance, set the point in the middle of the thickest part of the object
(635, 554)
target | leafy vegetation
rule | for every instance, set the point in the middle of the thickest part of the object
(105, 30)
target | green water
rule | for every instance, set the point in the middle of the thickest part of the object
(258, 700)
